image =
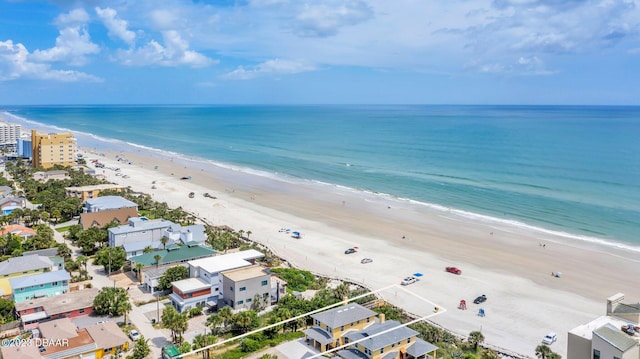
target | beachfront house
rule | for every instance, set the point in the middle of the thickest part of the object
(98, 212)
(614, 335)
(52, 149)
(22, 266)
(372, 337)
(69, 305)
(141, 232)
(241, 286)
(208, 271)
(5, 191)
(39, 285)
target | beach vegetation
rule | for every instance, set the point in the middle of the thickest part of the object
(543, 351)
(171, 275)
(297, 280)
(475, 338)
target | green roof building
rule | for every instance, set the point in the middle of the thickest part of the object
(173, 254)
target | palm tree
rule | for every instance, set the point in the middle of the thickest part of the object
(249, 234)
(139, 271)
(213, 322)
(157, 258)
(164, 241)
(226, 314)
(124, 307)
(543, 351)
(475, 338)
(82, 261)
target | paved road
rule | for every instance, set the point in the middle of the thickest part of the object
(157, 338)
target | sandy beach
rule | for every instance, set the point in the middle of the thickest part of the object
(511, 265)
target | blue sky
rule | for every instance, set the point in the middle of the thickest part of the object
(320, 52)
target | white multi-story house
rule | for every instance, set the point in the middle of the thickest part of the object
(206, 273)
(613, 336)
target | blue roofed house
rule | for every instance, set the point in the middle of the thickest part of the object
(39, 285)
(373, 338)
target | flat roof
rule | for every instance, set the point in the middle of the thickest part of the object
(61, 303)
(245, 273)
(191, 284)
(586, 330)
(228, 261)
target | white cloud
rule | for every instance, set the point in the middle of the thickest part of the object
(270, 67)
(15, 64)
(116, 27)
(175, 52)
(72, 44)
(319, 20)
(75, 17)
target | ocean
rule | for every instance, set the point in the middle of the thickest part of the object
(573, 170)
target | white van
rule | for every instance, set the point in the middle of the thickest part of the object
(550, 338)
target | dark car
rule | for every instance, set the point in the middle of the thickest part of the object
(480, 299)
(453, 270)
(349, 251)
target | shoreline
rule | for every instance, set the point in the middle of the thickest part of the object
(508, 264)
(567, 235)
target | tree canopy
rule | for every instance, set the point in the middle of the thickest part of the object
(171, 275)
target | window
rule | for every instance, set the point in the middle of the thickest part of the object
(342, 328)
(231, 288)
(596, 354)
(368, 319)
(381, 350)
(242, 289)
(240, 302)
(264, 282)
(249, 300)
(189, 295)
(81, 311)
(54, 283)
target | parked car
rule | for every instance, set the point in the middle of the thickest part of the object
(350, 250)
(409, 280)
(549, 338)
(454, 270)
(480, 299)
(366, 260)
(134, 335)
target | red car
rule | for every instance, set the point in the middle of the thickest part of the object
(454, 270)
